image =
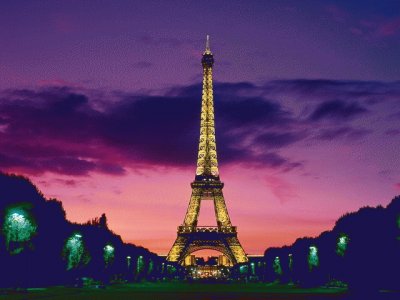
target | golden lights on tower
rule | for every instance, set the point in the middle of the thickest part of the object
(207, 186)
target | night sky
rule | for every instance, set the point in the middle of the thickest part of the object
(100, 107)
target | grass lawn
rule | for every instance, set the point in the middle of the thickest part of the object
(189, 291)
(180, 290)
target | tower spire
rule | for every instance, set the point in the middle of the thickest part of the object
(208, 50)
(207, 163)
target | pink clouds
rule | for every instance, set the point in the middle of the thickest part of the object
(389, 28)
(377, 28)
(282, 190)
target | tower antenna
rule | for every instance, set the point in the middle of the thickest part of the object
(208, 43)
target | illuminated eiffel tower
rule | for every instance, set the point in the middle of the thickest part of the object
(207, 186)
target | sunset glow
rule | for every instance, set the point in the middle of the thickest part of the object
(103, 113)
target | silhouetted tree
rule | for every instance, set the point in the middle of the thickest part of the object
(362, 250)
(38, 246)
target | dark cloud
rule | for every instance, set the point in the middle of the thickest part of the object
(392, 132)
(278, 139)
(62, 130)
(77, 132)
(254, 110)
(323, 90)
(338, 110)
(341, 132)
(63, 165)
(153, 129)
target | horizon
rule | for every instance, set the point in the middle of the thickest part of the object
(100, 108)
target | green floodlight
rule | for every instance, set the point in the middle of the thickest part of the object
(398, 221)
(253, 268)
(75, 252)
(171, 269)
(109, 253)
(151, 266)
(313, 260)
(139, 265)
(243, 269)
(342, 244)
(109, 249)
(18, 228)
(290, 261)
(277, 266)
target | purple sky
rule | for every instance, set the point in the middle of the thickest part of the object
(100, 103)
(153, 44)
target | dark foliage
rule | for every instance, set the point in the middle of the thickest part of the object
(369, 262)
(43, 260)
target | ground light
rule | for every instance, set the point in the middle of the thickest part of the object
(139, 265)
(18, 229)
(398, 225)
(342, 243)
(398, 221)
(108, 254)
(151, 266)
(253, 268)
(313, 260)
(290, 261)
(243, 269)
(74, 251)
(171, 269)
(277, 266)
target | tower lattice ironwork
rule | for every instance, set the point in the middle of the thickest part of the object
(207, 186)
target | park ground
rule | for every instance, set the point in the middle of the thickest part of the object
(195, 291)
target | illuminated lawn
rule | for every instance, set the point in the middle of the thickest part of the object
(182, 291)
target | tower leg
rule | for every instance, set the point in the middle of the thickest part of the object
(237, 250)
(221, 212)
(192, 213)
(178, 249)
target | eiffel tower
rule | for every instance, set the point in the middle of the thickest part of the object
(207, 186)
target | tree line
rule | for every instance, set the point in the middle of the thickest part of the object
(362, 252)
(40, 247)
